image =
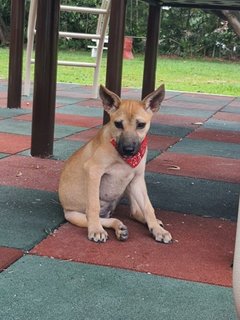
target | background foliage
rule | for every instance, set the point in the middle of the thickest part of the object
(184, 32)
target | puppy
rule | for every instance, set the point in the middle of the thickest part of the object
(111, 165)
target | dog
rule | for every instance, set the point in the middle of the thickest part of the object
(111, 165)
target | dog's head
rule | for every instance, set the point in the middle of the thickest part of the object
(130, 119)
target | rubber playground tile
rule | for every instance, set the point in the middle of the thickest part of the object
(3, 89)
(161, 143)
(90, 103)
(7, 113)
(222, 125)
(152, 154)
(82, 111)
(69, 120)
(82, 121)
(25, 117)
(27, 104)
(171, 131)
(61, 86)
(72, 93)
(3, 155)
(179, 121)
(208, 96)
(201, 197)
(234, 107)
(61, 131)
(170, 94)
(228, 116)
(85, 135)
(67, 290)
(209, 148)
(129, 94)
(12, 143)
(3, 99)
(215, 135)
(74, 90)
(202, 249)
(63, 149)
(217, 97)
(186, 112)
(30, 172)
(27, 216)
(235, 102)
(207, 99)
(204, 167)
(63, 100)
(16, 126)
(8, 256)
(190, 105)
(21, 127)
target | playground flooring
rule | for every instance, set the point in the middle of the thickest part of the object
(49, 270)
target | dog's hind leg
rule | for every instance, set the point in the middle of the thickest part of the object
(79, 219)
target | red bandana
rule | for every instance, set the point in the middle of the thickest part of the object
(134, 160)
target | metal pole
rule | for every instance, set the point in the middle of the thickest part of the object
(16, 54)
(44, 96)
(151, 51)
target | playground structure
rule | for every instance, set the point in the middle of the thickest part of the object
(100, 38)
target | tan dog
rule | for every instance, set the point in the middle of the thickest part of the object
(109, 166)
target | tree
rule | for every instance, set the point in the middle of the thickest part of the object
(233, 18)
(184, 31)
(4, 21)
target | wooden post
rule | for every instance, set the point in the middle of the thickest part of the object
(115, 48)
(44, 96)
(16, 54)
(151, 51)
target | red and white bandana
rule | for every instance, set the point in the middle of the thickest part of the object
(136, 159)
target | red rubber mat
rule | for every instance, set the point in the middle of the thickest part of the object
(202, 249)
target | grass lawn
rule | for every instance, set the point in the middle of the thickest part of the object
(194, 75)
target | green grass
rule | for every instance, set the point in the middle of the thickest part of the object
(194, 75)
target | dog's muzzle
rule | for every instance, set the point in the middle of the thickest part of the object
(128, 147)
(135, 159)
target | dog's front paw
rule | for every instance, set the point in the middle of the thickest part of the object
(160, 223)
(97, 234)
(122, 232)
(161, 235)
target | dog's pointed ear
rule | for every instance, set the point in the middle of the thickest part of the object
(110, 100)
(153, 100)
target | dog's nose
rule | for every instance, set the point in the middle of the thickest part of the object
(129, 150)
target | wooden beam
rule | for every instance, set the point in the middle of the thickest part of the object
(44, 96)
(151, 51)
(16, 54)
(115, 48)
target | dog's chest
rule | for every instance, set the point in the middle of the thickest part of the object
(114, 182)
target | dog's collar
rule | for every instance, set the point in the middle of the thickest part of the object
(136, 159)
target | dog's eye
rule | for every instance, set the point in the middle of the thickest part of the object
(118, 124)
(141, 125)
